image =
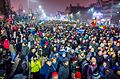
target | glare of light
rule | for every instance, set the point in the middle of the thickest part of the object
(97, 14)
(44, 14)
(92, 9)
(117, 12)
(42, 11)
(23, 11)
(39, 7)
(78, 12)
(108, 19)
(119, 4)
(71, 15)
(102, 19)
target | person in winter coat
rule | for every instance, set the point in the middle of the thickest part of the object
(74, 66)
(25, 50)
(36, 64)
(13, 52)
(63, 72)
(46, 50)
(81, 57)
(54, 63)
(6, 45)
(92, 68)
(32, 53)
(18, 47)
(103, 68)
(100, 58)
(91, 53)
(46, 70)
(78, 49)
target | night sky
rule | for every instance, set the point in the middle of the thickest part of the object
(49, 6)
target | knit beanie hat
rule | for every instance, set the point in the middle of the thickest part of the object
(77, 74)
(54, 74)
(65, 60)
(96, 75)
(74, 58)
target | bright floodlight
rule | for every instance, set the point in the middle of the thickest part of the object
(39, 7)
(92, 9)
(97, 14)
(23, 11)
(78, 12)
(119, 4)
(42, 11)
(44, 14)
(117, 12)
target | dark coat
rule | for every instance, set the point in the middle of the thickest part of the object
(73, 67)
(46, 51)
(45, 72)
(19, 47)
(25, 50)
(63, 72)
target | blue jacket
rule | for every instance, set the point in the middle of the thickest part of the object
(45, 72)
(42, 42)
(55, 66)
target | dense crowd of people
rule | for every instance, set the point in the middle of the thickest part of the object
(60, 52)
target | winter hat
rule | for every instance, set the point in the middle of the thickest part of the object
(65, 60)
(96, 75)
(62, 49)
(77, 74)
(54, 74)
(74, 58)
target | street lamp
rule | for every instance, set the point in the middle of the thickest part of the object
(39, 7)
(78, 12)
(92, 9)
(23, 11)
(42, 11)
(118, 3)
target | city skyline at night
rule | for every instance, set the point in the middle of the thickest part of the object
(50, 6)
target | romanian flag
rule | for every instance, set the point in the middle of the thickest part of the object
(102, 27)
(94, 22)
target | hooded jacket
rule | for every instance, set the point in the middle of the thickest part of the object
(36, 66)
(6, 44)
(45, 72)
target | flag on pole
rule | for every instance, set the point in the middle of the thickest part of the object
(102, 27)
(94, 22)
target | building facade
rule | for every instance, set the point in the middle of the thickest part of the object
(76, 12)
(5, 7)
(109, 8)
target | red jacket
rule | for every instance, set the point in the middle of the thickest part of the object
(6, 44)
(15, 28)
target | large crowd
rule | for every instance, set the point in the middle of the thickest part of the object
(60, 52)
